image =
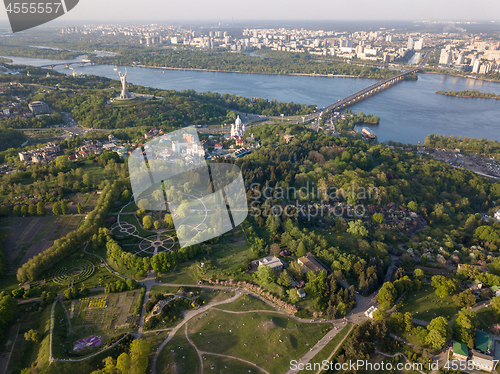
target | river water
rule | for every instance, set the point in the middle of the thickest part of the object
(409, 110)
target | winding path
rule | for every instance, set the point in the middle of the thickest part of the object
(402, 355)
(190, 314)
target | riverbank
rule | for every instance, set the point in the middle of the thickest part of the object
(451, 74)
(247, 72)
(470, 94)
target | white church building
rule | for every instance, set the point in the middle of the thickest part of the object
(237, 129)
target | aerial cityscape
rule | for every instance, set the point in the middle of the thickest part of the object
(223, 195)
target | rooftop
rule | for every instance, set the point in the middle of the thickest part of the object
(460, 348)
(483, 341)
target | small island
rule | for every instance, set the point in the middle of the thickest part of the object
(471, 94)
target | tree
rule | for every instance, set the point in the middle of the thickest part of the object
(387, 295)
(140, 213)
(444, 286)
(378, 218)
(412, 205)
(56, 208)
(408, 317)
(275, 249)
(357, 228)
(495, 304)
(24, 210)
(80, 209)
(139, 352)
(397, 321)
(296, 270)
(284, 280)
(293, 295)
(157, 225)
(169, 222)
(265, 274)
(17, 210)
(464, 327)
(147, 222)
(435, 340)
(40, 209)
(440, 324)
(316, 284)
(64, 207)
(33, 336)
(301, 250)
(63, 162)
(4, 211)
(32, 210)
(418, 274)
(247, 264)
(123, 363)
(465, 299)
(131, 284)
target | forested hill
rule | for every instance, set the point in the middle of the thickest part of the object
(11, 139)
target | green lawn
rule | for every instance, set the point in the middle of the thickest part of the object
(182, 275)
(426, 305)
(173, 359)
(268, 340)
(245, 303)
(487, 318)
(216, 364)
(208, 295)
(155, 339)
(329, 347)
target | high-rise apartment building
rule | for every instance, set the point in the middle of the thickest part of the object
(409, 45)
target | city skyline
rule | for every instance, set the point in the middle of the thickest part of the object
(226, 11)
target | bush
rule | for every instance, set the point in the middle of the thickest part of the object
(303, 313)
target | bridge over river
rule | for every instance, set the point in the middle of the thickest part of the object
(68, 64)
(366, 92)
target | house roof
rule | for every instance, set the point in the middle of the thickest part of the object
(460, 348)
(481, 355)
(483, 341)
(310, 263)
(271, 262)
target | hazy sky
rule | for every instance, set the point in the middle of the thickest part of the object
(225, 10)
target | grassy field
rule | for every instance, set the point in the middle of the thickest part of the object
(426, 305)
(208, 295)
(486, 318)
(177, 356)
(246, 303)
(329, 347)
(155, 339)
(268, 340)
(218, 364)
(182, 275)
